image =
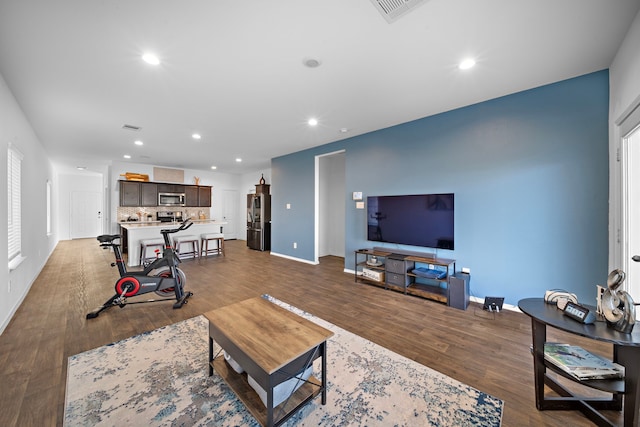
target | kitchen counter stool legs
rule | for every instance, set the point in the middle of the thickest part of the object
(205, 238)
(157, 244)
(180, 241)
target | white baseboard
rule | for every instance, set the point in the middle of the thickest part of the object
(306, 261)
(5, 321)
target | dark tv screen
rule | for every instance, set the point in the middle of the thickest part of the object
(417, 220)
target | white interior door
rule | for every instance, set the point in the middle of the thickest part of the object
(86, 214)
(230, 214)
(632, 212)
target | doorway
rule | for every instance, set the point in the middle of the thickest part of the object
(230, 214)
(631, 203)
(86, 214)
(330, 213)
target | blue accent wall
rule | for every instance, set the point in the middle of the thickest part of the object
(530, 177)
(295, 176)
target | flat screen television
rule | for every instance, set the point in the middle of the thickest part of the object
(418, 220)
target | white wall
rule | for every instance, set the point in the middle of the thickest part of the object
(36, 170)
(624, 95)
(624, 72)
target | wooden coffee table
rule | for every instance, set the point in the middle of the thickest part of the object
(272, 345)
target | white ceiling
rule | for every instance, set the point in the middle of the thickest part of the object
(233, 70)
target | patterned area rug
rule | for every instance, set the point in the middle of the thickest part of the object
(161, 378)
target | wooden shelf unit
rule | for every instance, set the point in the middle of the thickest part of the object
(397, 273)
(625, 393)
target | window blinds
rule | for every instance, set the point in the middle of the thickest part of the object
(14, 163)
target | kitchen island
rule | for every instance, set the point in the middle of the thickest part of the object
(133, 232)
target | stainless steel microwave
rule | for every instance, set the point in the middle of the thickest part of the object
(171, 199)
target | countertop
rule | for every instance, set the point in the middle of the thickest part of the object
(157, 224)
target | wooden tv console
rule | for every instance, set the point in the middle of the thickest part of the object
(394, 270)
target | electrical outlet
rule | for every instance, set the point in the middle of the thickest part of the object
(493, 304)
(295, 245)
(466, 270)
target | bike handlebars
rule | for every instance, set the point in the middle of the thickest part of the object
(186, 224)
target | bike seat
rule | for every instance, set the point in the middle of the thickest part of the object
(108, 238)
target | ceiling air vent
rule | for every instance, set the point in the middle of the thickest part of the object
(394, 9)
(131, 127)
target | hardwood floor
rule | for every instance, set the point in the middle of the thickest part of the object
(485, 350)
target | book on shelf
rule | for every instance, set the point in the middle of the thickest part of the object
(581, 364)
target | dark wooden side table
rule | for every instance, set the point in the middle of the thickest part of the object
(273, 345)
(626, 351)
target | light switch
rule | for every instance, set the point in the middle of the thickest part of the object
(288, 205)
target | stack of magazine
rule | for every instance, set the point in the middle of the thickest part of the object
(581, 364)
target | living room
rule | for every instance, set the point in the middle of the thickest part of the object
(508, 160)
(539, 193)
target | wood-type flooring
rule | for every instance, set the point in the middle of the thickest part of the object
(485, 350)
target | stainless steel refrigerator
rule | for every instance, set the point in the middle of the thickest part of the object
(259, 221)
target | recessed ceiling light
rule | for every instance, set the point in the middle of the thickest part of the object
(344, 130)
(138, 142)
(214, 167)
(312, 122)
(81, 168)
(466, 64)
(311, 62)
(126, 156)
(196, 136)
(238, 159)
(150, 58)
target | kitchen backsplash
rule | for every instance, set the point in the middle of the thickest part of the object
(125, 213)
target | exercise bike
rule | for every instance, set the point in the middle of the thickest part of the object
(161, 276)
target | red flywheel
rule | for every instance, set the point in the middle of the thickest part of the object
(129, 285)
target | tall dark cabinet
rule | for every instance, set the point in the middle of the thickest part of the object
(259, 219)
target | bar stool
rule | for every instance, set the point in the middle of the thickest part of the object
(147, 244)
(204, 243)
(187, 239)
